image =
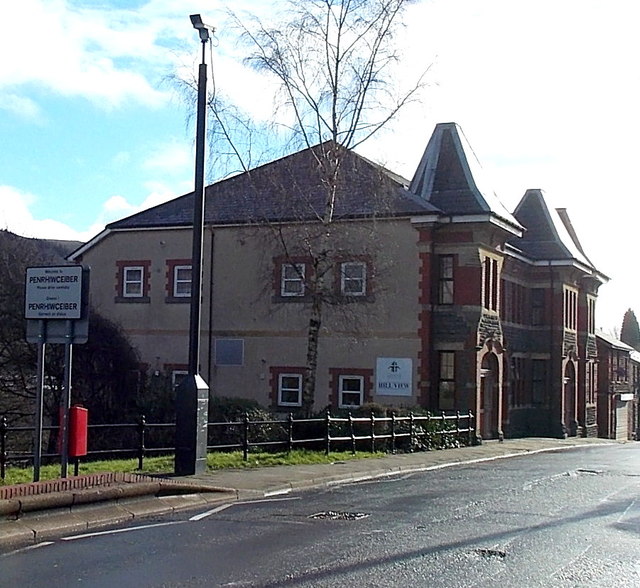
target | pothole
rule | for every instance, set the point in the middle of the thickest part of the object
(588, 471)
(490, 553)
(334, 515)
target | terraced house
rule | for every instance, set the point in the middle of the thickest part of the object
(435, 294)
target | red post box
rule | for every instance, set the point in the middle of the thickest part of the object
(78, 427)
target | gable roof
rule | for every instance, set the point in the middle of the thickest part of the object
(291, 189)
(448, 186)
(450, 177)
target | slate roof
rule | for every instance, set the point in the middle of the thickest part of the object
(450, 177)
(291, 189)
(614, 342)
(550, 234)
(449, 182)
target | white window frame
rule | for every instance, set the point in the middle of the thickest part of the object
(298, 277)
(447, 380)
(126, 281)
(342, 391)
(282, 389)
(177, 281)
(361, 280)
(570, 309)
(446, 277)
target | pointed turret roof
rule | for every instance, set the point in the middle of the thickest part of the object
(550, 234)
(450, 177)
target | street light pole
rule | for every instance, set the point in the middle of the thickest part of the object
(198, 219)
(192, 396)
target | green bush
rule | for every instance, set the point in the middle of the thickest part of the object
(427, 434)
(233, 410)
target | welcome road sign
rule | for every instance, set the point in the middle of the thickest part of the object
(54, 293)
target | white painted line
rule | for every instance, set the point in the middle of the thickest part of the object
(631, 512)
(116, 531)
(28, 548)
(418, 469)
(38, 545)
(278, 492)
(204, 515)
(269, 500)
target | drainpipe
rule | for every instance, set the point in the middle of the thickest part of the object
(551, 370)
(210, 322)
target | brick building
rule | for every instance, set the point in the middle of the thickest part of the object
(435, 283)
(619, 379)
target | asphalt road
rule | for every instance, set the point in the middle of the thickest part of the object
(570, 518)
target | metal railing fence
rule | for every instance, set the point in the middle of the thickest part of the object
(371, 433)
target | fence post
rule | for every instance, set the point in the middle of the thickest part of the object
(3, 446)
(393, 432)
(245, 437)
(429, 432)
(411, 432)
(352, 434)
(290, 432)
(373, 432)
(142, 424)
(327, 421)
(472, 429)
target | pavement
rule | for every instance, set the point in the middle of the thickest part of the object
(34, 513)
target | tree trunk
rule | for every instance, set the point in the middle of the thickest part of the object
(313, 335)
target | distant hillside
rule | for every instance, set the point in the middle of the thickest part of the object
(44, 251)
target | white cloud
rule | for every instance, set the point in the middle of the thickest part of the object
(172, 157)
(117, 205)
(547, 95)
(16, 217)
(81, 51)
(159, 193)
(21, 106)
(106, 54)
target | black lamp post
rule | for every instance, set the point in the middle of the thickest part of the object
(192, 400)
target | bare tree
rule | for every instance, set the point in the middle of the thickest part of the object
(333, 62)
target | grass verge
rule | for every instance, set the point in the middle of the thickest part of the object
(165, 465)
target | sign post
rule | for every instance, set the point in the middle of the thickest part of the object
(37, 445)
(56, 309)
(65, 405)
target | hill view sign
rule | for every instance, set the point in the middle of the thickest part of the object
(53, 293)
(394, 376)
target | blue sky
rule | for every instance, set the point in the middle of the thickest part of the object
(547, 92)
